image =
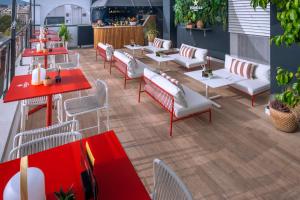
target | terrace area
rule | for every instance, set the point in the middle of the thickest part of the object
(238, 155)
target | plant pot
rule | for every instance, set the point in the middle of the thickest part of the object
(190, 26)
(151, 37)
(286, 122)
(47, 82)
(200, 24)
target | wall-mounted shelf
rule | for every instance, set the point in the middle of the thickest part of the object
(199, 29)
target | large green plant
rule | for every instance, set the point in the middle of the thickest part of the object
(212, 12)
(288, 14)
(64, 33)
(291, 87)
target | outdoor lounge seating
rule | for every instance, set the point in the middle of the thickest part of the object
(167, 95)
(198, 59)
(166, 45)
(253, 87)
(131, 68)
(105, 51)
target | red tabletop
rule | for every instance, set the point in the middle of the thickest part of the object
(54, 39)
(55, 51)
(72, 80)
(116, 177)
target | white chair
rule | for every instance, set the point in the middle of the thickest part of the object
(73, 61)
(93, 103)
(167, 185)
(34, 134)
(39, 101)
(43, 144)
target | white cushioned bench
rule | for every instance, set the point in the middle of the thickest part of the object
(199, 59)
(127, 67)
(167, 44)
(166, 93)
(253, 87)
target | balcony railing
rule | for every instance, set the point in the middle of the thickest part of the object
(6, 69)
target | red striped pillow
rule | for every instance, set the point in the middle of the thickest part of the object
(157, 43)
(242, 68)
(188, 52)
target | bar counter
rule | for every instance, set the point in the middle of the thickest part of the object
(118, 36)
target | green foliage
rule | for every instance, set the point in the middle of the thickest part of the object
(62, 195)
(151, 29)
(291, 87)
(212, 12)
(5, 23)
(288, 14)
(64, 33)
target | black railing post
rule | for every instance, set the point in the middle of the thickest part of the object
(30, 19)
(33, 15)
(13, 40)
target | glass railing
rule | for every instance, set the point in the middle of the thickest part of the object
(6, 69)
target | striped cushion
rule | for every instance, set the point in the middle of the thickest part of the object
(188, 52)
(161, 96)
(242, 68)
(157, 43)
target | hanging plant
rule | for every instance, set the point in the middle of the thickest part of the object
(288, 14)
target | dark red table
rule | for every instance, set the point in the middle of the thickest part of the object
(21, 88)
(34, 53)
(45, 40)
(116, 177)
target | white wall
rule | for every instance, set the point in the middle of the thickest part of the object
(46, 7)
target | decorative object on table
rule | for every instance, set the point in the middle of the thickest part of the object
(132, 43)
(133, 21)
(68, 195)
(283, 110)
(28, 184)
(157, 54)
(38, 75)
(48, 81)
(64, 35)
(207, 73)
(58, 77)
(151, 32)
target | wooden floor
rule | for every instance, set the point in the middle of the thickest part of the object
(238, 156)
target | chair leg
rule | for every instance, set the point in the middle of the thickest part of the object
(98, 121)
(107, 119)
(253, 100)
(60, 111)
(125, 82)
(171, 124)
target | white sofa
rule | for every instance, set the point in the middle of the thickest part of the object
(128, 67)
(107, 52)
(157, 86)
(253, 87)
(200, 58)
(167, 44)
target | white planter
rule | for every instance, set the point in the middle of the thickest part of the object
(132, 23)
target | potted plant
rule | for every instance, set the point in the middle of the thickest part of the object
(151, 32)
(133, 21)
(283, 109)
(64, 34)
(191, 19)
(62, 195)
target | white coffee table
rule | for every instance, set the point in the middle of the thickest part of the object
(134, 48)
(160, 59)
(213, 82)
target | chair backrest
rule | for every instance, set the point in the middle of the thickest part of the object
(28, 136)
(167, 184)
(56, 44)
(43, 144)
(101, 92)
(74, 57)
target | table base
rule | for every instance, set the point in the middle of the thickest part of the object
(212, 97)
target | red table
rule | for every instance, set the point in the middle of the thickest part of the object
(34, 53)
(50, 32)
(116, 177)
(49, 39)
(21, 88)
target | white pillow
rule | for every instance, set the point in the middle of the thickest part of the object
(262, 72)
(167, 44)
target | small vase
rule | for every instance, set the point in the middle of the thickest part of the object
(200, 24)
